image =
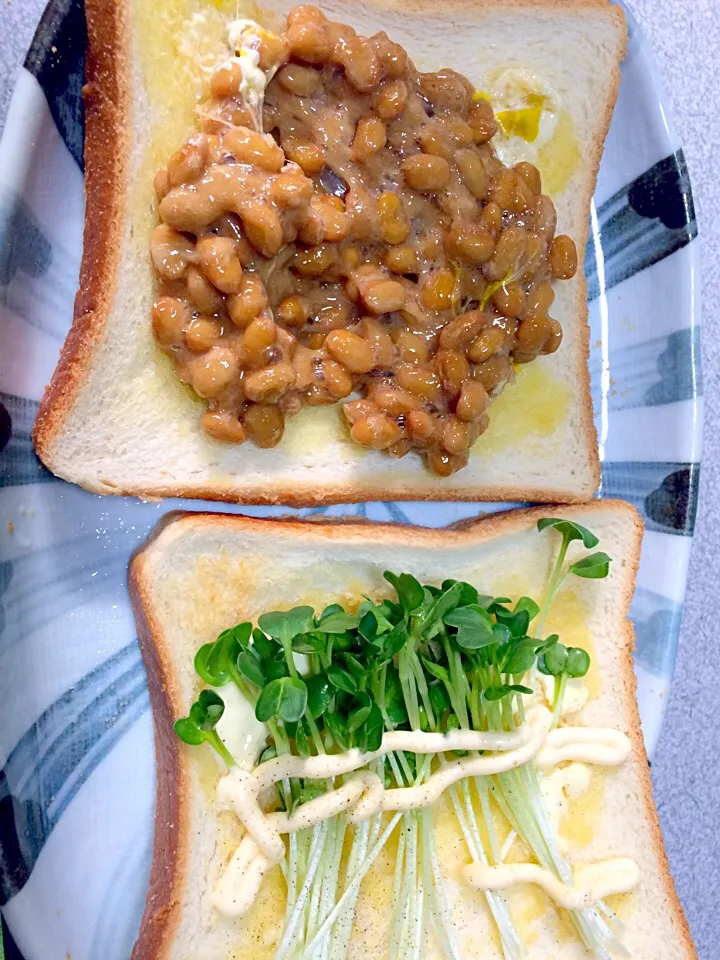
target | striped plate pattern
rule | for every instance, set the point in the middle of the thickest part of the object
(76, 751)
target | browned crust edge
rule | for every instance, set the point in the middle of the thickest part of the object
(107, 138)
(171, 836)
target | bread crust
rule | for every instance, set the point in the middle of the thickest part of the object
(172, 836)
(108, 99)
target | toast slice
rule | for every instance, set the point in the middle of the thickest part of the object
(115, 418)
(200, 574)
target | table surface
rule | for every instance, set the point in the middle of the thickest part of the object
(685, 35)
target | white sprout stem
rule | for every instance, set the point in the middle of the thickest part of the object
(412, 886)
(481, 785)
(337, 941)
(291, 875)
(401, 906)
(419, 918)
(510, 941)
(343, 925)
(313, 904)
(316, 849)
(533, 825)
(433, 882)
(330, 882)
(354, 885)
(507, 846)
(398, 885)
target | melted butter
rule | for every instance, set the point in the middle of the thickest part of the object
(621, 905)
(176, 40)
(578, 825)
(316, 427)
(568, 618)
(532, 406)
(208, 772)
(559, 159)
(528, 905)
(259, 931)
(371, 926)
(533, 126)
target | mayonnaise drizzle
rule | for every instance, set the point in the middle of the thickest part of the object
(599, 745)
(589, 885)
(364, 794)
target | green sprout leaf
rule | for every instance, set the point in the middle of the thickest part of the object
(362, 705)
(338, 728)
(203, 670)
(284, 626)
(269, 753)
(276, 668)
(569, 531)
(311, 790)
(368, 626)
(207, 710)
(285, 698)
(373, 729)
(301, 741)
(199, 725)
(472, 617)
(330, 610)
(528, 605)
(547, 643)
(577, 663)
(516, 622)
(435, 670)
(337, 622)
(431, 617)
(468, 593)
(594, 567)
(439, 699)
(474, 626)
(410, 592)
(387, 645)
(251, 668)
(341, 678)
(519, 657)
(189, 732)
(265, 647)
(552, 662)
(354, 666)
(394, 699)
(320, 694)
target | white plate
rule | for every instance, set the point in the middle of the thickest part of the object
(76, 743)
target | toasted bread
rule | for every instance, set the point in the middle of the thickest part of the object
(200, 574)
(115, 418)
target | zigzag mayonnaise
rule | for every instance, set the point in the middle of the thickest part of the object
(364, 794)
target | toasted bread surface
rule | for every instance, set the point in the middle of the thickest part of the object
(116, 420)
(203, 572)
